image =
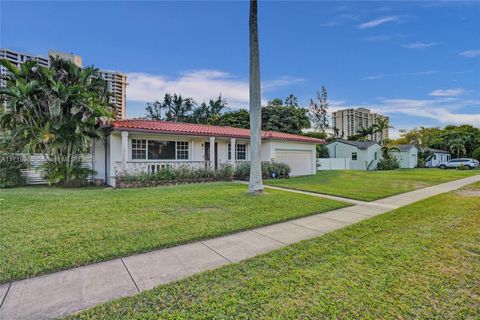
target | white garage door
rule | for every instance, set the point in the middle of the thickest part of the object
(300, 161)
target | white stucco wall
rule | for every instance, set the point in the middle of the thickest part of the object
(269, 149)
(371, 156)
(364, 157)
(99, 156)
(407, 159)
(438, 158)
(196, 151)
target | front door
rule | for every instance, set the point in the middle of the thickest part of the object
(207, 154)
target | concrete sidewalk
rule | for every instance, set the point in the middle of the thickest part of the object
(66, 292)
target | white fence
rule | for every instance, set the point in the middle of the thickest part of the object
(33, 174)
(333, 164)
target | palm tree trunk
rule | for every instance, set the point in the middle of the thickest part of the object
(255, 185)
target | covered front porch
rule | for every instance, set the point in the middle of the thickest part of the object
(148, 153)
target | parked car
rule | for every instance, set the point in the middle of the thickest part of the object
(455, 163)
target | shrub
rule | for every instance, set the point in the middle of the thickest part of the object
(461, 166)
(225, 172)
(322, 151)
(277, 170)
(388, 164)
(169, 175)
(66, 175)
(10, 170)
(476, 154)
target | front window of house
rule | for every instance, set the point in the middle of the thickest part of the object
(159, 150)
(139, 149)
(182, 150)
(354, 156)
(240, 152)
(375, 155)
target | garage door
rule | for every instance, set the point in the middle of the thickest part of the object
(300, 161)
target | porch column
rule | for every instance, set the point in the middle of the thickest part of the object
(124, 150)
(233, 155)
(212, 152)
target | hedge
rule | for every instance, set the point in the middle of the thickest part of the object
(10, 170)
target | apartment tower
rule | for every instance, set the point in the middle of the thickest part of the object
(116, 81)
(350, 121)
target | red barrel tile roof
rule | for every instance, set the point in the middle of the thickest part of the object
(203, 130)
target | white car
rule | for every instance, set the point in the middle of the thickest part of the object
(455, 163)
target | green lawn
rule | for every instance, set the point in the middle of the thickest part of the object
(45, 229)
(371, 185)
(418, 262)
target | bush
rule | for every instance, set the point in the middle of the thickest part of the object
(10, 170)
(461, 166)
(388, 164)
(169, 175)
(276, 170)
(476, 154)
(62, 174)
(225, 172)
(322, 151)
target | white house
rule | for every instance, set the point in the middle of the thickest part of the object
(147, 145)
(407, 156)
(363, 155)
(437, 157)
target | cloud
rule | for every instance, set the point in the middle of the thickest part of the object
(280, 82)
(335, 105)
(378, 22)
(419, 45)
(200, 85)
(339, 20)
(385, 37)
(376, 77)
(422, 73)
(444, 110)
(447, 92)
(470, 53)
(382, 76)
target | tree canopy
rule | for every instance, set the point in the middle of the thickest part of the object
(319, 111)
(460, 140)
(55, 111)
(277, 115)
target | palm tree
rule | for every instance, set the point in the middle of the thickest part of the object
(336, 132)
(54, 111)
(457, 145)
(256, 183)
(387, 151)
(366, 132)
(381, 125)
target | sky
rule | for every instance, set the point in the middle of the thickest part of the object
(417, 62)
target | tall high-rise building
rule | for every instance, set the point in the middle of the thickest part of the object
(77, 60)
(18, 58)
(117, 86)
(349, 121)
(116, 81)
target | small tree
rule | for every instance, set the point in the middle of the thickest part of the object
(380, 126)
(336, 133)
(476, 154)
(457, 145)
(55, 111)
(319, 111)
(173, 108)
(206, 112)
(291, 101)
(366, 133)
